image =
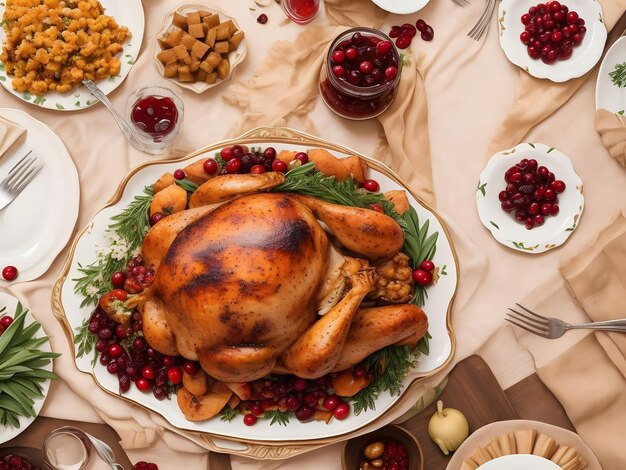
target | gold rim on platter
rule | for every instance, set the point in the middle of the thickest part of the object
(254, 448)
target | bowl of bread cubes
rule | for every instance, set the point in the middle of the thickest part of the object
(198, 47)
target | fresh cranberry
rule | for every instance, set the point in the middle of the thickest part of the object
(422, 277)
(366, 66)
(6, 321)
(403, 42)
(139, 344)
(117, 279)
(428, 34)
(342, 410)
(554, 209)
(394, 32)
(142, 384)
(302, 157)
(351, 53)
(101, 345)
(155, 218)
(371, 185)
(279, 166)
(304, 413)
(382, 48)
(191, 367)
(210, 166)
(179, 174)
(391, 72)
(227, 153)
(257, 169)
(420, 25)
(115, 350)
(9, 273)
(427, 265)
(338, 71)
(338, 56)
(233, 165)
(249, 420)
(262, 18)
(269, 153)
(175, 374)
(331, 402)
(558, 186)
(148, 373)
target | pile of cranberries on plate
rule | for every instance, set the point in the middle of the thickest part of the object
(551, 31)
(530, 197)
(531, 193)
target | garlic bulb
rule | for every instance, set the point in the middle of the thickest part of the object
(448, 428)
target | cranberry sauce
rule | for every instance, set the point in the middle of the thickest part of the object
(155, 115)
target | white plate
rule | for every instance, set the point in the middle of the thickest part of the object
(401, 7)
(482, 436)
(519, 462)
(585, 55)
(127, 13)
(235, 57)
(10, 302)
(556, 229)
(608, 95)
(47, 206)
(438, 304)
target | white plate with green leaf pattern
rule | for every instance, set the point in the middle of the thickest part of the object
(128, 13)
(503, 226)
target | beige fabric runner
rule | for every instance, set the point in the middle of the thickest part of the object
(405, 145)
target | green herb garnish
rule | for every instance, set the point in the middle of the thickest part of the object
(618, 76)
(22, 369)
(277, 416)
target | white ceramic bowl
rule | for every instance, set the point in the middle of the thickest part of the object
(608, 95)
(235, 57)
(519, 462)
(401, 7)
(503, 226)
(585, 55)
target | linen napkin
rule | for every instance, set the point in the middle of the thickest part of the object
(405, 144)
(525, 112)
(587, 371)
(612, 130)
(11, 135)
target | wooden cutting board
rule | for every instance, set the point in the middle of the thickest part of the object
(473, 389)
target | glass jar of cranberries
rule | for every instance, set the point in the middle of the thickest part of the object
(155, 116)
(361, 73)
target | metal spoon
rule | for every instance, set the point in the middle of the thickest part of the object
(105, 452)
(122, 124)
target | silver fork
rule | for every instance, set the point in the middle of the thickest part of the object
(18, 178)
(479, 28)
(551, 328)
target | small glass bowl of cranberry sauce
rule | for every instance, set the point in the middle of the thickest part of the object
(155, 115)
(361, 74)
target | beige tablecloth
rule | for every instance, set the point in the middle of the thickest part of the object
(470, 88)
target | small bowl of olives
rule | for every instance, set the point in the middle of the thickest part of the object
(391, 447)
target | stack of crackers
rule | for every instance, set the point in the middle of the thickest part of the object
(527, 441)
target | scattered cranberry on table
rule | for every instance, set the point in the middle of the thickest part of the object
(9, 273)
(551, 31)
(404, 34)
(532, 192)
(262, 18)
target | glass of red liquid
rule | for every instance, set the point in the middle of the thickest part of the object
(155, 115)
(301, 11)
(361, 74)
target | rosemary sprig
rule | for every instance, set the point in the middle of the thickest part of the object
(228, 414)
(128, 230)
(618, 76)
(388, 366)
(277, 416)
(305, 179)
(86, 341)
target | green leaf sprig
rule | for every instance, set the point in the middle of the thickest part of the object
(618, 76)
(127, 231)
(22, 369)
